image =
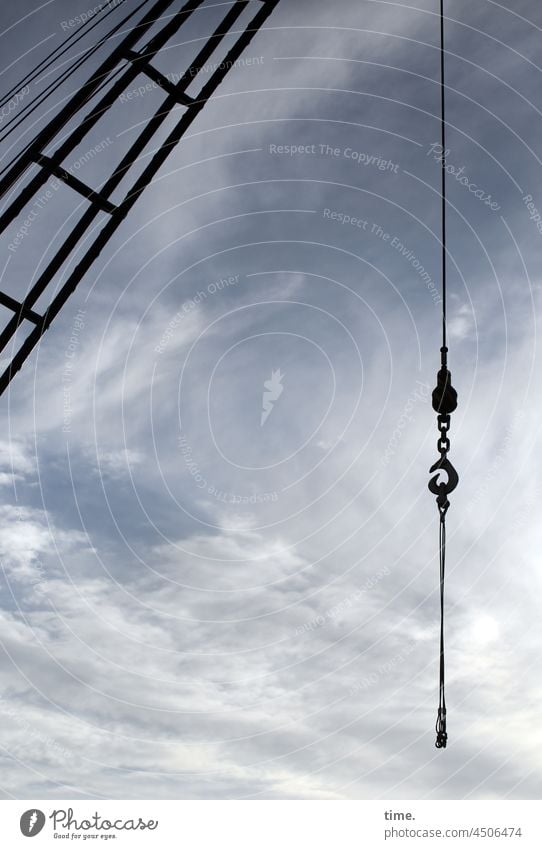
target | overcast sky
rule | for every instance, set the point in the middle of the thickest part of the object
(219, 553)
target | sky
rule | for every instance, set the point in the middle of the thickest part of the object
(219, 553)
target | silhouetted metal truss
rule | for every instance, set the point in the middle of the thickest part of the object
(99, 201)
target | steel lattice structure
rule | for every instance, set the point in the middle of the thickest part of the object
(138, 62)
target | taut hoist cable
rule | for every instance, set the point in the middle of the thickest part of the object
(444, 400)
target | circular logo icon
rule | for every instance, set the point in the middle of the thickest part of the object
(32, 822)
